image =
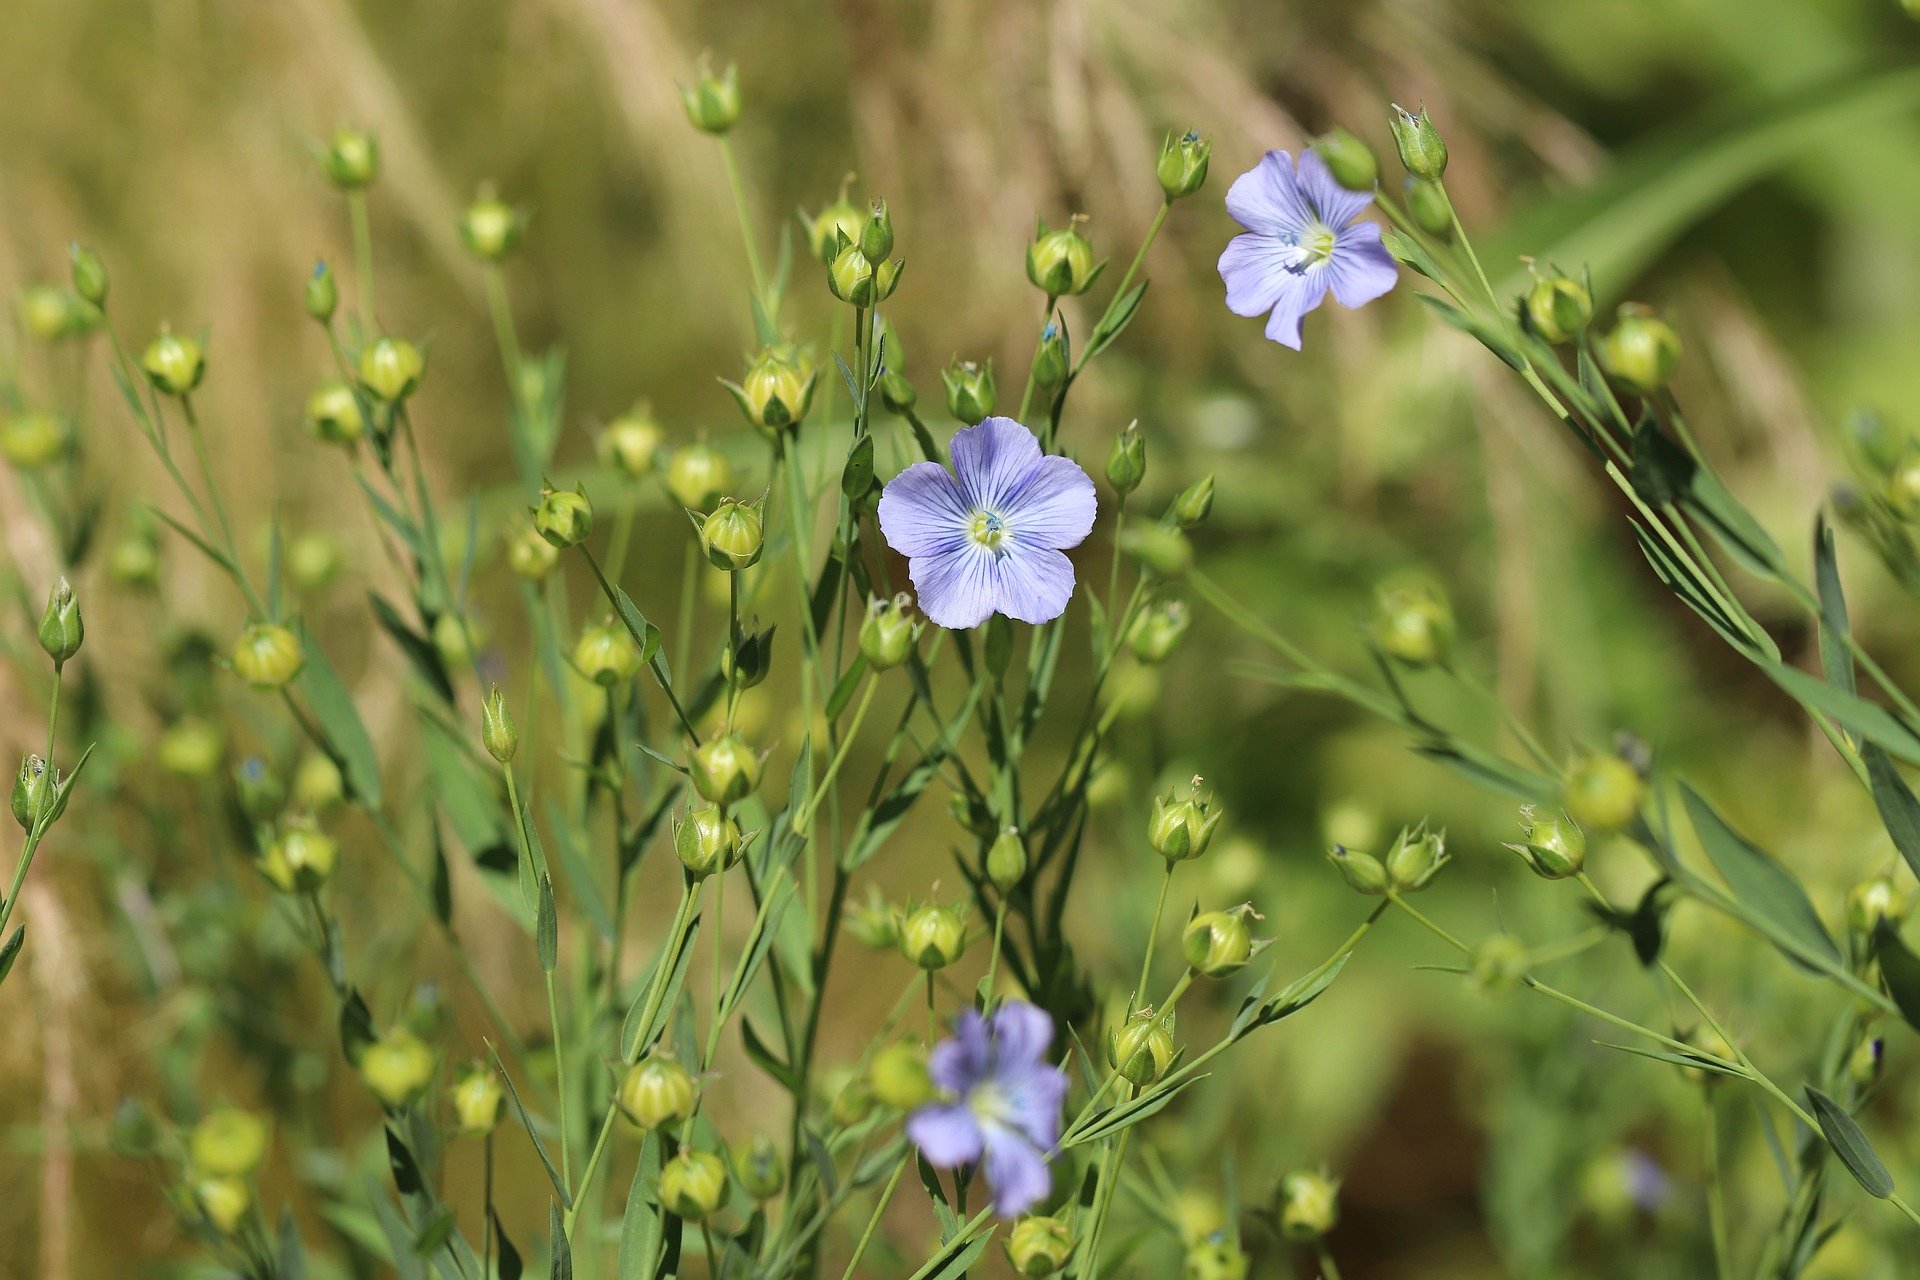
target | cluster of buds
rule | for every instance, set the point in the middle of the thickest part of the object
(225, 1149)
(1182, 827)
(859, 272)
(1060, 260)
(777, 390)
(1415, 858)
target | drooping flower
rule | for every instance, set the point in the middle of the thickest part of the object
(990, 536)
(1302, 240)
(1001, 1103)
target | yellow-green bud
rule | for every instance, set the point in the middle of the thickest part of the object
(1348, 158)
(706, 841)
(933, 937)
(323, 293)
(657, 1092)
(529, 554)
(1422, 150)
(397, 1067)
(606, 654)
(1182, 828)
(491, 228)
(1416, 858)
(897, 1077)
(1007, 860)
(1309, 1205)
(35, 791)
(1052, 359)
(1061, 262)
(61, 628)
(268, 656)
(693, 1184)
(876, 234)
(317, 784)
(1218, 943)
(1218, 1257)
(1499, 963)
(757, 1168)
(1431, 209)
(1880, 899)
(497, 730)
(725, 770)
(259, 790)
(564, 517)
(713, 101)
(1362, 871)
(1554, 846)
(225, 1201)
(89, 274)
(852, 1102)
(874, 923)
(697, 475)
(333, 414)
(1640, 351)
(1141, 1051)
(1197, 1215)
(1127, 462)
(1039, 1246)
(51, 312)
(732, 536)
(888, 633)
(1558, 308)
(352, 159)
(1159, 629)
(33, 438)
(1193, 504)
(970, 391)
(228, 1143)
(478, 1101)
(1602, 792)
(776, 392)
(1413, 623)
(850, 276)
(1182, 166)
(825, 228)
(134, 560)
(190, 747)
(631, 442)
(174, 364)
(390, 368)
(1866, 1062)
(313, 560)
(301, 857)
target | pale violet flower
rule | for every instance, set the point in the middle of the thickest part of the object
(990, 536)
(1001, 1103)
(1302, 240)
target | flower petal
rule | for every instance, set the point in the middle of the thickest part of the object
(1361, 269)
(1303, 293)
(1033, 584)
(1021, 1033)
(1033, 1101)
(946, 1133)
(1257, 271)
(958, 587)
(963, 1060)
(922, 511)
(1016, 1171)
(1053, 505)
(990, 459)
(1336, 205)
(1267, 199)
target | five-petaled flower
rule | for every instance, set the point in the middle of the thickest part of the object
(990, 536)
(1302, 240)
(1003, 1103)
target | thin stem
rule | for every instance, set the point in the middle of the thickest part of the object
(362, 257)
(873, 1222)
(559, 1081)
(803, 818)
(1146, 961)
(746, 225)
(1716, 1198)
(1324, 1256)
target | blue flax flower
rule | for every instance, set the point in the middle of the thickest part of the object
(990, 536)
(1003, 1103)
(1302, 240)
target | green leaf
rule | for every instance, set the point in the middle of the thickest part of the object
(11, 951)
(1758, 882)
(640, 1227)
(856, 478)
(561, 1268)
(526, 1122)
(634, 1038)
(1697, 1062)
(1899, 807)
(1901, 969)
(1119, 314)
(1849, 1142)
(346, 734)
(1835, 660)
(1868, 721)
(548, 930)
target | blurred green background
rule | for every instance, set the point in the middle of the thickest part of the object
(1753, 168)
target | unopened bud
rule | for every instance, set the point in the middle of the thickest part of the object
(333, 414)
(1413, 623)
(1182, 167)
(1157, 632)
(713, 101)
(1876, 901)
(656, 1092)
(268, 656)
(61, 628)
(89, 274)
(697, 475)
(228, 1143)
(897, 1077)
(1007, 860)
(706, 841)
(1218, 944)
(1553, 846)
(1181, 828)
(693, 1185)
(1422, 150)
(875, 923)
(888, 633)
(352, 159)
(1309, 1204)
(933, 937)
(1602, 792)
(1127, 462)
(1363, 872)
(1348, 158)
(1141, 1050)
(1061, 262)
(970, 391)
(174, 364)
(1558, 308)
(497, 730)
(1194, 503)
(323, 293)
(301, 857)
(1039, 1246)
(1640, 351)
(478, 1101)
(225, 1202)
(732, 536)
(825, 229)
(725, 770)
(564, 517)
(397, 1067)
(1500, 963)
(631, 442)
(1416, 858)
(1217, 1257)
(1052, 359)
(491, 228)
(390, 368)
(34, 438)
(758, 1169)
(1866, 1062)
(606, 654)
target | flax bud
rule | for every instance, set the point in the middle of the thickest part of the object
(1127, 462)
(1182, 166)
(352, 160)
(1039, 1246)
(61, 628)
(656, 1093)
(497, 730)
(1060, 262)
(725, 770)
(693, 1185)
(174, 364)
(933, 937)
(564, 517)
(970, 391)
(267, 656)
(1348, 158)
(697, 475)
(1422, 150)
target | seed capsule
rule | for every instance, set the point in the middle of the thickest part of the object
(657, 1091)
(268, 656)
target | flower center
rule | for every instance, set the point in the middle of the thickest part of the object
(987, 529)
(988, 1104)
(1312, 245)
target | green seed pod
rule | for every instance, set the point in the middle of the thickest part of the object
(1141, 1051)
(89, 274)
(888, 633)
(970, 391)
(732, 536)
(261, 794)
(497, 730)
(227, 1143)
(478, 1101)
(191, 748)
(876, 234)
(1422, 150)
(693, 1185)
(1052, 360)
(758, 1169)
(874, 923)
(35, 789)
(1181, 828)
(1039, 1246)
(1413, 623)
(1348, 158)
(1194, 503)
(1866, 1062)
(397, 1067)
(933, 937)
(1007, 860)
(61, 628)
(313, 560)
(1218, 1257)
(897, 1077)
(1554, 846)
(333, 414)
(323, 293)
(606, 654)
(1363, 872)
(352, 159)
(1432, 211)
(631, 442)
(706, 841)
(1602, 792)
(1309, 1205)
(1416, 858)
(713, 101)
(564, 517)
(35, 438)
(746, 661)
(1218, 943)
(1558, 308)
(1127, 461)
(851, 1102)
(697, 475)
(850, 276)
(1182, 167)
(1875, 901)
(529, 554)
(390, 369)
(1500, 963)
(225, 1202)
(725, 770)
(490, 228)
(1061, 262)
(656, 1092)
(301, 857)
(1158, 630)
(268, 656)
(825, 229)
(174, 364)
(1640, 351)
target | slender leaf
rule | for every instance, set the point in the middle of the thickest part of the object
(1849, 1142)
(1765, 887)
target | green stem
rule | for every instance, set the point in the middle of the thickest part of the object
(746, 225)
(559, 1081)
(873, 1222)
(363, 258)
(1153, 934)
(803, 818)
(1716, 1199)
(1323, 1255)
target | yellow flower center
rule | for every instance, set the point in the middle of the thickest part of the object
(987, 529)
